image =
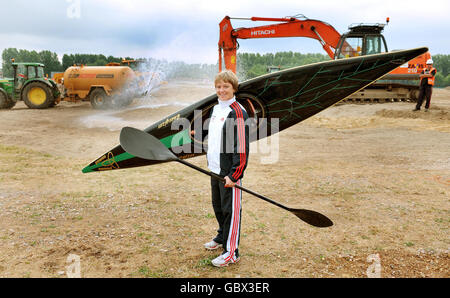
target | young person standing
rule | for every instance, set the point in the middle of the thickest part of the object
(227, 156)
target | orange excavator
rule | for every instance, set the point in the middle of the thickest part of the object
(361, 39)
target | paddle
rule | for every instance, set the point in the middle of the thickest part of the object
(143, 145)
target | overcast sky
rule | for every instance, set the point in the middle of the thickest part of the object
(188, 30)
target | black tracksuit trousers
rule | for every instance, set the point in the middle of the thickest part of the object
(226, 203)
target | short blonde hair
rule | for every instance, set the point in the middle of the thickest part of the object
(227, 76)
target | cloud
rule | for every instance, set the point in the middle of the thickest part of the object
(188, 30)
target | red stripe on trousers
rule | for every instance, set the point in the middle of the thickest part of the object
(235, 222)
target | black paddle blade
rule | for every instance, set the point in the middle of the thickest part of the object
(313, 218)
(142, 144)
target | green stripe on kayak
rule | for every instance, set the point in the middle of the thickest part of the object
(175, 140)
(108, 162)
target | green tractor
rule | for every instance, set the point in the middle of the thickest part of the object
(30, 85)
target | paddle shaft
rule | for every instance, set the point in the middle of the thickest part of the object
(143, 145)
(215, 176)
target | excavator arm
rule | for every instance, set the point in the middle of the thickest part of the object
(286, 27)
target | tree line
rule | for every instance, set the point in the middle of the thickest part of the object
(53, 64)
(51, 61)
(442, 65)
(89, 60)
(249, 65)
(48, 58)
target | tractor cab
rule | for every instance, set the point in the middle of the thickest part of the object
(26, 71)
(361, 40)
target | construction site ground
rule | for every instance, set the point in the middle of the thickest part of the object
(381, 172)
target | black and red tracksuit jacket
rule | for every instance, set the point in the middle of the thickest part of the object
(235, 142)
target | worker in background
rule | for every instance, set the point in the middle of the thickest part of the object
(426, 85)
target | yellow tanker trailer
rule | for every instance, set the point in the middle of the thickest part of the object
(104, 86)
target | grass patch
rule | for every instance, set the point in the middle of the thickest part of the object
(144, 271)
(206, 262)
(409, 244)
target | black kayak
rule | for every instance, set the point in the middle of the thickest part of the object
(288, 96)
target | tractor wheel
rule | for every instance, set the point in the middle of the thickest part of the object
(37, 95)
(99, 99)
(6, 103)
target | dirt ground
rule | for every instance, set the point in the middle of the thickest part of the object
(380, 171)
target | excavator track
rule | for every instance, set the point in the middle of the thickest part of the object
(386, 91)
(375, 100)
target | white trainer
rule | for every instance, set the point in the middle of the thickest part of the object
(212, 245)
(222, 261)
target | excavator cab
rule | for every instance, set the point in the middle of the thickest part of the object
(362, 39)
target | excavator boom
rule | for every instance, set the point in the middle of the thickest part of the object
(287, 27)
